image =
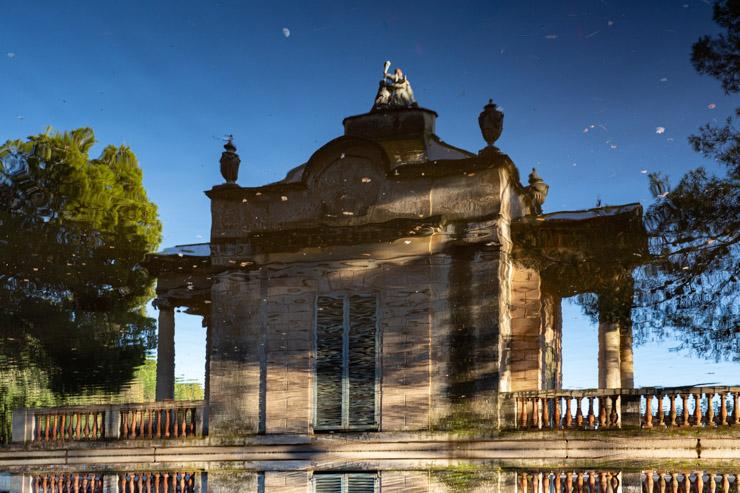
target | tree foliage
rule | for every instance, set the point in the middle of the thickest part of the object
(691, 283)
(73, 233)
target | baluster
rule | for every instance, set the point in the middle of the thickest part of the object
(579, 481)
(673, 410)
(591, 482)
(568, 482)
(687, 482)
(712, 483)
(84, 483)
(182, 483)
(124, 424)
(536, 423)
(648, 411)
(558, 483)
(591, 417)
(736, 412)
(556, 417)
(660, 413)
(649, 479)
(46, 428)
(697, 409)
(95, 425)
(614, 415)
(545, 413)
(176, 422)
(568, 415)
(156, 482)
(62, 426)
(194, 410)
(545, 482)
(184, 424)
(723, 409)
(602, 411)
(88, 425)
(165, 480)
(141, 482)
(710, 410)
(699, 482)
(166, 423)
(685, 400)
(520, 412)
(726, 483)
(674, 482)
(523, 482)
(614, 481)
(76, 483)
(131, 481)
(149, 424)
(579, 413)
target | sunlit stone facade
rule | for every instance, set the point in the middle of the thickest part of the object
(446, 246)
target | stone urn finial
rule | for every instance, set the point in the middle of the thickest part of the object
(491, 121)
(537, 188)
(230, 162)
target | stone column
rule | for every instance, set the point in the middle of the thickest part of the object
(626, 366)
(615, 334)
(609, 355)
(166, 352)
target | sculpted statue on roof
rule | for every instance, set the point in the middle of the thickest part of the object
(394, 90)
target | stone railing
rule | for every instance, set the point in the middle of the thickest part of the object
(633, 482)
(603, 409)
(174, 419)
(568, 481)
(689, 481)
(691, 406)
(155, 420)
(66, 482)
(128, 482)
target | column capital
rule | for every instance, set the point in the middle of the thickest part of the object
(162, 303)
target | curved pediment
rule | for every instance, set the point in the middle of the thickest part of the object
(346, 176)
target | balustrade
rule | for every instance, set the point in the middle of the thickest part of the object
(67, 483)
(689, 482)
(69, 424)
(708, 407)
(157, 482)
(568, 482)
(156, 420)
(568, 409)
(603, 409)
(614, 482)
(160, 420)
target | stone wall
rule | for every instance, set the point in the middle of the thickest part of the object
(536, 333)
(438, 320)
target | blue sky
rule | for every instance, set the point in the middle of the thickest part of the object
(171, 78)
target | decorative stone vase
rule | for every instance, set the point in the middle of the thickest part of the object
(230, 163)
(537, 188)
(491, 121)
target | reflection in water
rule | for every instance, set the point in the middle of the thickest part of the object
(74, 231)
(466, 478)
(392, 295)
